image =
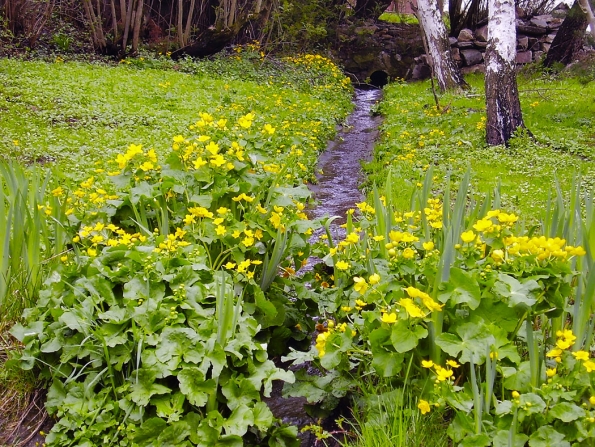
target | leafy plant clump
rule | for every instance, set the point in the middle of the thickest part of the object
(158, 324)
(466, 309)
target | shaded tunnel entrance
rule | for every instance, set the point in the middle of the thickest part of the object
(379, 78)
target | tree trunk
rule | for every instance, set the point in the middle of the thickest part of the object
(438, 46)
(370, 8)
(137, 26)
(569, 39)
(504, 115)
(586, 7)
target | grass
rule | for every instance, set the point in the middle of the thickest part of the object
(75, 114)
(397, 17)
(415, 136)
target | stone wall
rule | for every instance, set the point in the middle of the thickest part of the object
(396, 50)
(534, 37)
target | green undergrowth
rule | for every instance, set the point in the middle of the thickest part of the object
(415, 135)
(75, 114)
(179, 198)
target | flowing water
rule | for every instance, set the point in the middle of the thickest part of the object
(335, 192)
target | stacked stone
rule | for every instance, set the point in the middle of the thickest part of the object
(534, 37)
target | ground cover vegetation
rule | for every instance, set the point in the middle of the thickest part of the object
(164, 246)
(457, 304)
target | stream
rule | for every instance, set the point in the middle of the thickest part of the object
(336, 191)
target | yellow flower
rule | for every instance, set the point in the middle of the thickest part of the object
(497, 255)
(408, 253)
(452, 364)
(342, 265)
(581, 355)
(389, 318)
(592, 400)
(412, 309)
(198, 163)
(424, 406)
(515, 394)
(360, 284)
(443, 374)
(427, 363)
(468, 236)
(550, 372)
(229, 265)
(428, 245)
(374, 279)
(590, 365)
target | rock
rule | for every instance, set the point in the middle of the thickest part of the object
(545, 46)
(520, 12)
(471, 57)
(537, 55)
(524, 57)
(530, 30)
(452, 40)
(423, 59)
(456, 55)
(481, 34)
(540, 21)
(555, 23)
(549, 38)
(522, 43)
(465, 44)
(479, 44)
(421, 71)
(532, 43)
(466, 35)
(479, 68)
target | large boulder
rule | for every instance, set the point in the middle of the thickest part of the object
(471, 57)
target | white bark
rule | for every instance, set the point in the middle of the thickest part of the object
(503, 107)
(586, 7)
(501, 33)
(438, 46)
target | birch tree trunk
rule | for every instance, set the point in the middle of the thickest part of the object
(504, 115)
(586, 7)
(438, 46)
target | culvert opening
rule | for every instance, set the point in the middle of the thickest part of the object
(379, 78)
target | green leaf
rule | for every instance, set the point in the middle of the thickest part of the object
(566, 412)
(145, 387)
(169, 407)
(175, 342)
(403, 338)
(481, 440)
(263, 417)
(386, 363)
(239, 391)
(503, 436)
(336, 345)
(531, 403)
(149, 431)
(462, 287)
(472, 342)
(143, 190)
(546, 436)
(174, 434)
(518, 379)
(239, 421)
(195, 387)
(518, 294)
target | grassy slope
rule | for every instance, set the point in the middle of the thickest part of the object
(77, 114)
(558, 112)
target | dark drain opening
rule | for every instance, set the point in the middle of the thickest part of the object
(379, 78)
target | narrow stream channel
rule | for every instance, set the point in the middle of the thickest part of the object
(336, 192)
(337, 189)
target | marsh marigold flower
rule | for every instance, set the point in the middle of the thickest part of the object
(389, 318)
(424, 406)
